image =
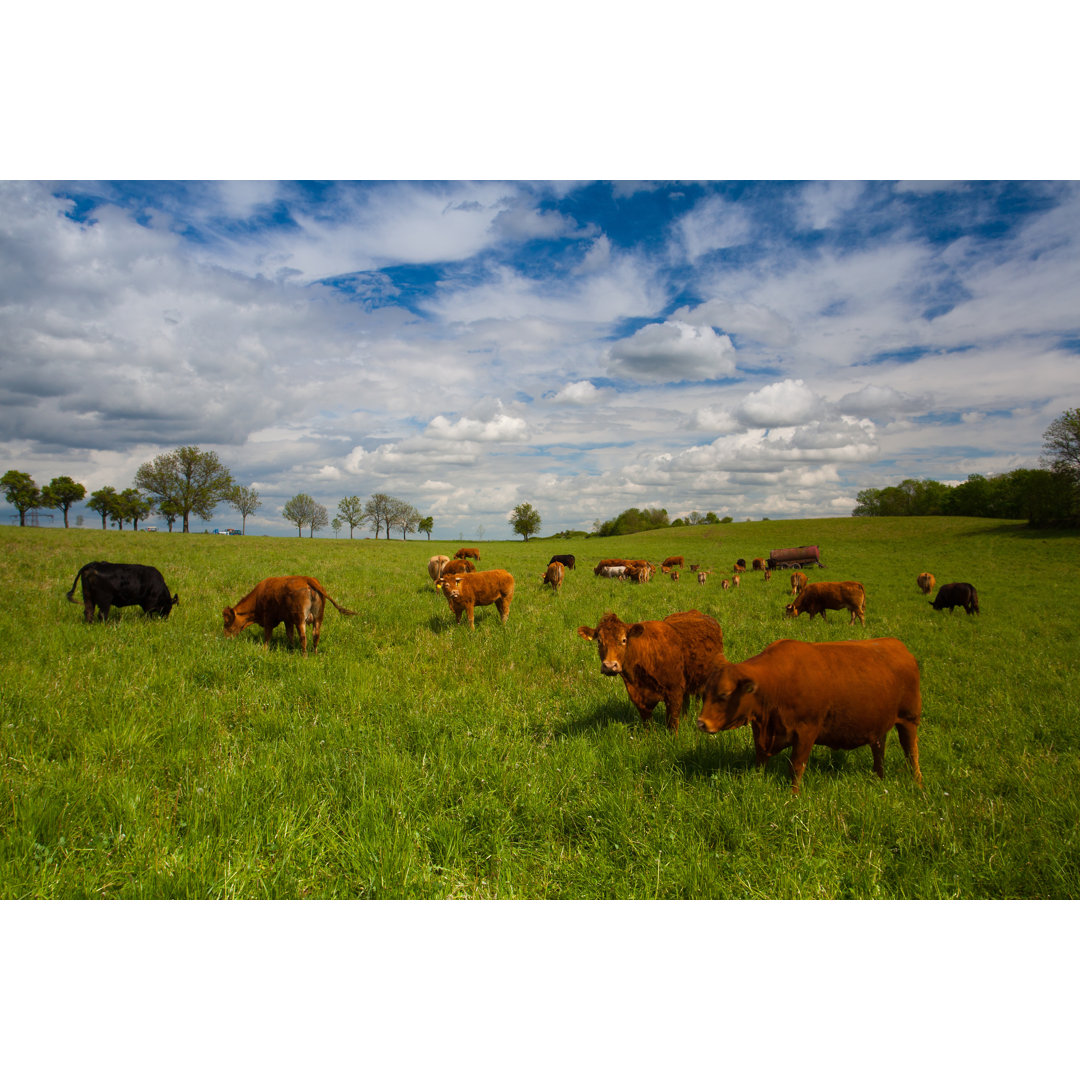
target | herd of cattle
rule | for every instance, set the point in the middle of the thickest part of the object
(794, 694)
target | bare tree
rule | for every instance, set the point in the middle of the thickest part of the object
(246, 501)
(377, 511)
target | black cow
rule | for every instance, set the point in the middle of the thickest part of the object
(957, 594)
(566, 560)
(106, 585)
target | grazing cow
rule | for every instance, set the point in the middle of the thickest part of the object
(824, 596)
(735, 579)
(739, 567)
(672, 561)
(639, 573)
(798, 582)
(566, 560)
(724, 583)
(759, 564)
(674, 575)
(768, 574)
(467, 553)
(612, 571)
(553, 576)
(604, 563)
(702, 575)
(841, 694)
(659, 660)
(458, 566)
(107, 585)
(435, 566)
(296, 600)
(464, 592)
(926, 583)
(957, 594)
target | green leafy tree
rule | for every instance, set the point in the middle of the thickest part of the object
(245, 501)
(320, 518)
(524, 520)
(62, 492)
(351, 509)
(403, 516)
(169, 511)
(1061, 452)
(103, 502)
(300, 509)
(336, 526)
(426, 525)
(21, 491)
(192, 479)
(377, 511)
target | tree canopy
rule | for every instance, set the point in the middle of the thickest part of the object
(193, 480)
(21, 491)
(245, 501)
(525, 520)
(62, 492)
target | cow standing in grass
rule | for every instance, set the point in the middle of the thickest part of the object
(106, 585)
(295, 600)
(465, 592)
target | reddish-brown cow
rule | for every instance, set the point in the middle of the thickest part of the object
(458, 566)
(464, 592)
(659, 660)
(822, 596)
(798, 582)
(467, 553)
(553, 576)
(841, 694)
(926, 583)
(673, 560)
(296, 600)
(759, 564)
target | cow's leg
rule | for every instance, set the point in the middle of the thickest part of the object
(470, 611)
(88, 610)
(502, 606)
(316, 630)
(909, 741)
(268, 630)
(301, 628)
(674, 703)
(642, 699)
(877, 748)
(800, 755)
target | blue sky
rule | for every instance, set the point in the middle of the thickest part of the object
(751, 348)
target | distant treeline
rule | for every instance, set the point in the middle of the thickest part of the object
(1041, 496)
(635, 520)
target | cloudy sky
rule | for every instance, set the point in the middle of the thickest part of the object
(753, 349)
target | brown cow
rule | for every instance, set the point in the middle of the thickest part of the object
(724, 583)
(768, 574)
(702, 575)
(464, 592)
(295, 600)
(467, 553)
(659, 660)
(759, 564)
(673, 560)
(822, 596)
(553, 576)
(926, 583)
(458, 566)
(841, 694)
(798, 582)
(435, 566)
(735, 579)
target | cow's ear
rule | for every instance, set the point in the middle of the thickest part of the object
(176, 598)
(587, 632)
(636, 630)
(229, 615)
(747, 686)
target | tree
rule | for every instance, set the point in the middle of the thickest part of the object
(62, 492)
(525, 520)
(102, 502)
(132, 506)
(193, 479)
(246, 501)
(319, 519)
(21, 491)
(351, 510)
(377, 511)
(402, 516)
(336, 526)
(300, 509)
(426, 525)
(1061, 443)
(169, 511)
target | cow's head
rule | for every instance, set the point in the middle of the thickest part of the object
(790, 611)
(451, 586)
(232, 624)
(612, 636)
(729, 700)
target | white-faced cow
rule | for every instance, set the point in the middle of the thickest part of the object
(107, 585)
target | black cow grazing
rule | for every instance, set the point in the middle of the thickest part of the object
(106, 585)
(566, 560)
(957, 594)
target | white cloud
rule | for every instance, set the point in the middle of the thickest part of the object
(781, 404)
(578, 393)
(712, 225)
(673, 352)
(501, 428)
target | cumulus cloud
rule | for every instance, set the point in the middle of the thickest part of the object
(673, 352)
(578, 393)
(501, 428)
(882, 403)
(781, 404)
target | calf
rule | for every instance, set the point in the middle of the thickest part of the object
(768, 574)
(841, 694)
(436, 565)
(824, 596)
(458, 566)
(957, 594)
(467, 553)
(739, 567)
(658, 660)
(702, 575)
(759, 564)
(107, 585)
(295, 600)
(464, 592)
(611, 571)
(724, 583)
(735, 579)
(926, 583)
(553, 576)
(566, 560)
(798, 582)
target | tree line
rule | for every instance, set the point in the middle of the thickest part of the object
(1048, 496)
(380, 511)
(634, 520)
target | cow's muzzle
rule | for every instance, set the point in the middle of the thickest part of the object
(610, 667)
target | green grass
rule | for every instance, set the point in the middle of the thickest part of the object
(414, 758)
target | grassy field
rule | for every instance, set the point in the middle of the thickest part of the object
(412, 758)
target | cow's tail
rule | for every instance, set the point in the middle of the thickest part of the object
(71, 591)
(326, 596)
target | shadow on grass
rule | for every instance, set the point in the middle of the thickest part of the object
(611, 712)
(1023, 531)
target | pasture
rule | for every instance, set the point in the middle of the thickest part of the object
(414, 758)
